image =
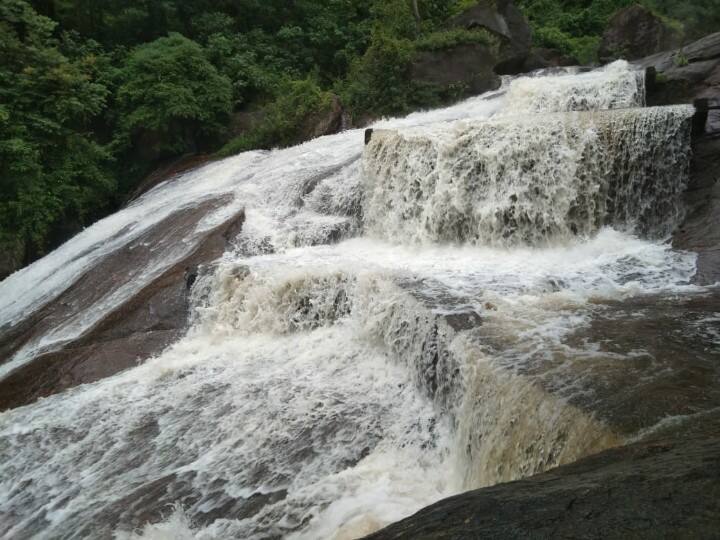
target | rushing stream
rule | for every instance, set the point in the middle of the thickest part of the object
(384, 332)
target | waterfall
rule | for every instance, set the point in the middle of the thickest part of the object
(369, 342)
(530, 179)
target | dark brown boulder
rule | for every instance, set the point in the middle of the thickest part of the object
(327, 121)
(692, 75)
(666, 487)
(503, 19)
(701, 230)
(168, 172)
(635, 32)
(470, 66)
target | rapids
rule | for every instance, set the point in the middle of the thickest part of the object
(370, 343)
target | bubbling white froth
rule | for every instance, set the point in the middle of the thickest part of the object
(534, 180)
(616, 86)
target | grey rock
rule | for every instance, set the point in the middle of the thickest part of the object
(635, 32)
(687, 75)
(471, 66)
(665, 487)
(506, 21)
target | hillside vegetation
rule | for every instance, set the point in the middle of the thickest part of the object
(94, 95)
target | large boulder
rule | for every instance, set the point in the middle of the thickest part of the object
(503, 19)
(169, 171)
(666, 487)
(692, 75)
(469, 66)
(327, 121)
(635, 32)
(474, 68)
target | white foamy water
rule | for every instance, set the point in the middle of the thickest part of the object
(333, 379)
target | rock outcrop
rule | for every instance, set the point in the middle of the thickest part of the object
(635, 32)
(475, 67)
(503, 19)
(470, 66)
(665, 487)
(692, 75)
(168, 172)
(328, 121)
(142, 326)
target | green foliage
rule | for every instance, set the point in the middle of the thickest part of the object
(445, 39)
(681, 60)
(50, 169)
(576, 26)
(172, 96)
(583, 48)
(285, 121)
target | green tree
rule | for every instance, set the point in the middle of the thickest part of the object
(52, 173)
(172, 99)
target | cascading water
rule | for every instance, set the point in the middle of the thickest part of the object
(530, 180)
(369, 344)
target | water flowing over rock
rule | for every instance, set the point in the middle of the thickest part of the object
(530, 180)
(348, 333)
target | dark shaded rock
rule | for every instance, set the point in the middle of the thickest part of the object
(470, 66)
(701, 230)
(544, 58)
(635, 32)
(168, 172)
(503, 19)
(142, 326)
(686, 75)
(328, 121)
(692, 75)
(10, 260)
(707, 48)
(666, 487)
(244, 121)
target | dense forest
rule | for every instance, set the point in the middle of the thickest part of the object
(94, 95)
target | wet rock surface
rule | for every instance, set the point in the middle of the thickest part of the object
(140, 327)
(658, 357)
(688, 75)
(168, 172)
(667, 486)
(635, 32)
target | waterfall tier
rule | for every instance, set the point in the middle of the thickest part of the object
(534, 180)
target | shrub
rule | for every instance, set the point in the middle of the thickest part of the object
(171, 92)
(285, 119)
(459, 36)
